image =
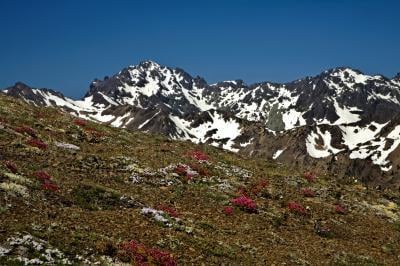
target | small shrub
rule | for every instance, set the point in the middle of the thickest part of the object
(80, 122)
(397, 226)
(340, 209)
(43, 176)
(310, 176)
(245, 203)
(322, 231)
(94, 197)
(14, 188)
(139, 254)
(202, 171)
(37, 143)
(198, 155)
(308, 193)
(185, 171)
(169, 210)
(94, 135)
(11, 166)
(50, 186)
(259, 186)
(228, 210)
(296, 207)
(242, 191)
(26, 130)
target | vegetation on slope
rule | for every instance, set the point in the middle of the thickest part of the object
(72, 191)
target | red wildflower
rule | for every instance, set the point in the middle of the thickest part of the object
(37, 143)
(228, 210)
(309, 176)
(11, 166)
(340, 209)
(43, 176)
(199, 169)
(296, 207)
(94, 132)
(181, 169)
(49, 186)
(80, 122)
(259, 186)
(27, 130)
(142, 255)
(308, 193)
(198, 155)
(245, 202)
(169, 210)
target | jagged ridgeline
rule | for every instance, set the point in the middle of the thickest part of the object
(341, 121)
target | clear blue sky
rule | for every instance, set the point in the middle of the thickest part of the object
(66, 44)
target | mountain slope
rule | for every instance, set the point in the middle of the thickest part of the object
(352, 115)
(80, 192)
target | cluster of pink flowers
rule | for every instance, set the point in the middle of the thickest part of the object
(296, 207)
(310, 176)
(80, 122)
(245, 202)
(11, 166)
(45, 178)
(198, 155)
(228, 210)
(37, 143)
(307, 192)
(27, 130)
(142, 255)
(169, 210)
(340, 209)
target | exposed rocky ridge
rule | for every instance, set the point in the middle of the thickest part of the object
(340, 120)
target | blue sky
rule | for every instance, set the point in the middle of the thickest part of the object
(64, 45)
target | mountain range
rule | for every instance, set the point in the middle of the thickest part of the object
(342, 121)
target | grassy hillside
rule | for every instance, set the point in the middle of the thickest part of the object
(77, 192)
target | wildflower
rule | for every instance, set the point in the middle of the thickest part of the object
(139, 254)
(50, 186)
(296, 207)
(80, 122)
(37, 143)
(185, 171)
(43, 176)
(14, 188)
(309, 176)
(308, 193)
(169, 210)
(228, 210)
(245, 202)
(340, 209)
(94, 132)
(27, 130)
(200, 170)
(259, 186)
(198, 155)
(11, 166)
(181, 169)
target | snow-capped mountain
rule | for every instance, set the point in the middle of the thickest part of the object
(341, 119)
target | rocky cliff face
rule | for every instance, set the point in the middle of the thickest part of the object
(341, 120)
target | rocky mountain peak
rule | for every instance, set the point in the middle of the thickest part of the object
(340, 112)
